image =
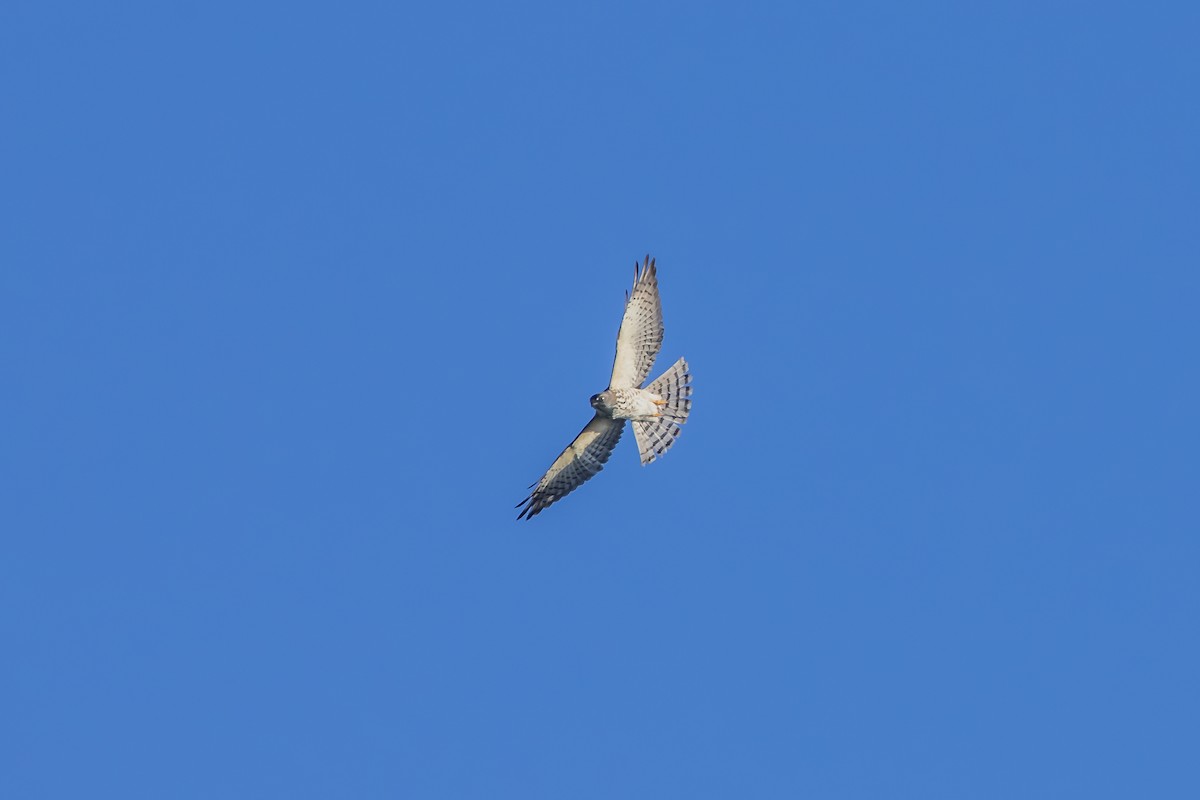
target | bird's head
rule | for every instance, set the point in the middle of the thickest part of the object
(603, 402)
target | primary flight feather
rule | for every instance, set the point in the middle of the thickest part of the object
(656, 411)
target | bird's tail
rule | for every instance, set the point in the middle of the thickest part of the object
(655, 436)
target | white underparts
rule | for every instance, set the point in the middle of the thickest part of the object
(636, 404)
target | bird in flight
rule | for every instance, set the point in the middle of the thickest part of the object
(656, 411)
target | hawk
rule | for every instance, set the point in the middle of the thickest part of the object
(656, 411)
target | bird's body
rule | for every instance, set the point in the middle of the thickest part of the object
(656, 411)
(635, 404)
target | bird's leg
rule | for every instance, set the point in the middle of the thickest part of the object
(659, 402)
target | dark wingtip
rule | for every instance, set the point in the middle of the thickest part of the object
(533, 504)
(640, 271)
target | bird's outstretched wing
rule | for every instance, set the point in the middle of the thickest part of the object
(641, 333)
(582, 459)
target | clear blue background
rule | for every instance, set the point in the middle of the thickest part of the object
(296, 299)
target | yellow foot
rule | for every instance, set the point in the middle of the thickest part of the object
(659, 402)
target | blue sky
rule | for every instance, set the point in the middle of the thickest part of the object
(297, 299)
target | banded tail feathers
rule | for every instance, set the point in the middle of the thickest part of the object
(655, 436)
